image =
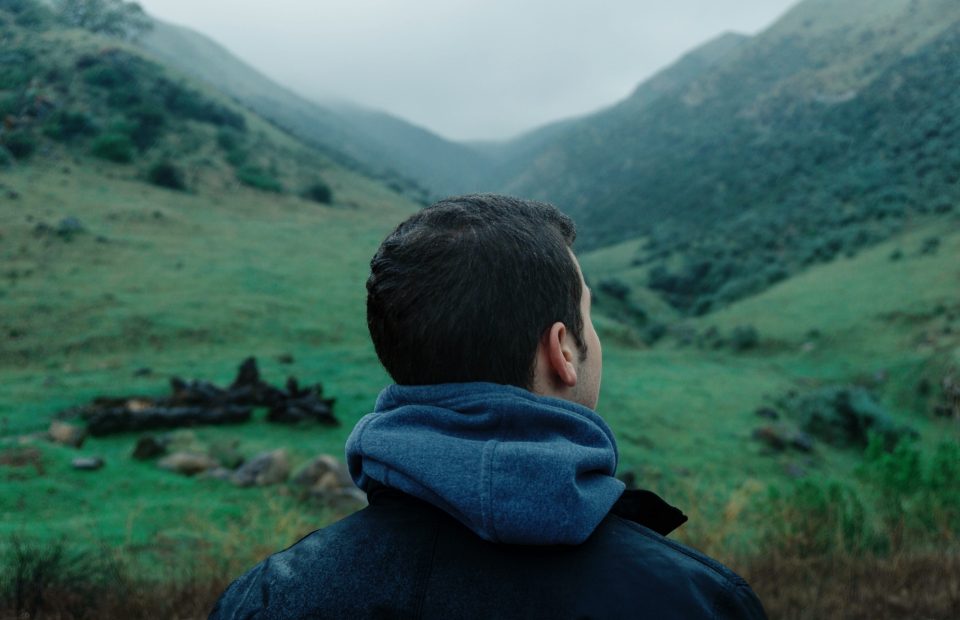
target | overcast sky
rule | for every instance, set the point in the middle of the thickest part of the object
(467, 69)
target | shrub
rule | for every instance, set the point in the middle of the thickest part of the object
(109, 75)
(114, 147)
(846, 416)
(28, 13)
(21, 144)
(258, 178)
(165, 174)
(744, 338)
(191, 104)
(918, 496)
(319, 192)
(65, 125)
(147, 124)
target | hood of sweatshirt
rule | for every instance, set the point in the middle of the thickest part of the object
(512, 466)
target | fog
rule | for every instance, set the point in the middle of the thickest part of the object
(466, 69)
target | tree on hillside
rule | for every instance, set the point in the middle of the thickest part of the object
(114, 18)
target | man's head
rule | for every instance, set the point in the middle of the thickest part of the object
(479, 288)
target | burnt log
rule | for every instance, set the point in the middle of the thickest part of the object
(306, 408)
(124, 419)
(197, 402)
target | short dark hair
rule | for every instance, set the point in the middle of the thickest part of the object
(464, 289)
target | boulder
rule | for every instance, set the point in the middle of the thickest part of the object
(67, 434)
(325, 468)
(217, 473)
(187, 463)
(264, 469)
(87, 463)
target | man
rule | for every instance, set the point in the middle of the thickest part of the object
(489, 475)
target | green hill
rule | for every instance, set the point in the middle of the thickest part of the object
(750, 160)
(371, 141)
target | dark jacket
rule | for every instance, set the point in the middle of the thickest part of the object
(403, 558)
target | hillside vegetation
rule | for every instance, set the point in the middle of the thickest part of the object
(752, 159)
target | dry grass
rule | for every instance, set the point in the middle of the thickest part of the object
(904, 585)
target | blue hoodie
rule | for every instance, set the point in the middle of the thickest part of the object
(512, 466)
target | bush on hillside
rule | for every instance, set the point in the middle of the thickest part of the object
(147, 123)
(115, 147)
(191, 104)
(165, 174)
(21, 143)
(845, 416)
(27, 13)
(258, 178)
(6, 159)
(744, 338)
(113, 18)
(319, 191)
(66, 125)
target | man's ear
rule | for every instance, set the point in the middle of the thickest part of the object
(560, 356)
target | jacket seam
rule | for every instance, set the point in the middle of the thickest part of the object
(429, 572)
(729, 578)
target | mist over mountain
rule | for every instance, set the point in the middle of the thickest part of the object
(408, 157)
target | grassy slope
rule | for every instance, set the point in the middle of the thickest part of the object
(211, 280)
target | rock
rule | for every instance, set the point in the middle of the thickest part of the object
(285, 358)
(67, 434)
(149, 447)
(322, 466)
(187, 463)
(87, 463)
(143, 372)
(768, 413)
(264, 469)
(217, 473)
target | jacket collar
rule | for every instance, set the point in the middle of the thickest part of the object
(643, 507)
(649, 510)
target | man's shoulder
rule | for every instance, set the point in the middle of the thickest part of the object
(403, 555)
(649, 544)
